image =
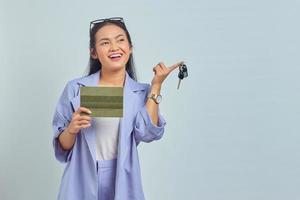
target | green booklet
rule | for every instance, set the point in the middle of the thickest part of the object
(102, 101)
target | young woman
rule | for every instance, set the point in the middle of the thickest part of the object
(101, 153)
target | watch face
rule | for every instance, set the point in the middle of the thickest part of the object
(159, 98)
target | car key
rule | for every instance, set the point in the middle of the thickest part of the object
(182, 74)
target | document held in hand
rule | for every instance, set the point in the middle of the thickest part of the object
(102, 101)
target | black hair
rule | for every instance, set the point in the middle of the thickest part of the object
(94, 64)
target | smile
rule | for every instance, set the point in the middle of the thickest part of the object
(115, 57)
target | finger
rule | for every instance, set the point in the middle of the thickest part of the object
(83, 122)
(175, 66)
(78, 126)
(158, 71)
(84, 117)
(156, 67)
(85, 110)
(75, 116)
(85, 126)
(163, 67)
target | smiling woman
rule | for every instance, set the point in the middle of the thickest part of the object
(101, 153)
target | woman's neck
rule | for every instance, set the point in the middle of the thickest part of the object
(112, 78)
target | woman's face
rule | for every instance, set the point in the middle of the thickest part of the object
(112, 47)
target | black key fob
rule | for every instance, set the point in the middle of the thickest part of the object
(183, 73)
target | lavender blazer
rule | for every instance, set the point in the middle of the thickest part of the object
(79, 180)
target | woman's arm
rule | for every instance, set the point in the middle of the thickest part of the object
(151, 106)
(62, 118)
(161, 73)
(68, 136)
(149, 124)
(66, 140)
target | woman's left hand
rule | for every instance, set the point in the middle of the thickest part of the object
(161, 73)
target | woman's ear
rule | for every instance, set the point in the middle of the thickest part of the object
(93, 53)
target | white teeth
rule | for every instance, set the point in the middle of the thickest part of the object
(115, 55)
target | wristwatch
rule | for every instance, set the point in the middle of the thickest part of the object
(155, 97)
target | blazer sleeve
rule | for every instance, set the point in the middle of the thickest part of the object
(144, 129)
(61, 119)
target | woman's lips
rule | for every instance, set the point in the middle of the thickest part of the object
(115, 57)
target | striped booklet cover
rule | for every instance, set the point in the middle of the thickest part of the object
(102, 101)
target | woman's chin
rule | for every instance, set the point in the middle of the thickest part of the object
(117, 67)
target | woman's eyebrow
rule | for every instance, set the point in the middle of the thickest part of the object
(119, 35)
(108, 38)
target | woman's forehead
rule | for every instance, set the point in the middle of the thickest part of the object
(109, 31)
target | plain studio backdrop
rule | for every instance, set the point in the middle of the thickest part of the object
(232, 128)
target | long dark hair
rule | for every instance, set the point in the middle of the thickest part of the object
(94, 64)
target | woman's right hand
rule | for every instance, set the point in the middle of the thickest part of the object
(79, 121)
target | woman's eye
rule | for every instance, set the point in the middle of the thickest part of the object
(121, 40)
(104, 43)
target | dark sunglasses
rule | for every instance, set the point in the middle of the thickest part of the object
(98, 21)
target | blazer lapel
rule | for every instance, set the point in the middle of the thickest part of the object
(88, 133)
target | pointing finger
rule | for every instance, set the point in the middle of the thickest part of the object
(175, 66)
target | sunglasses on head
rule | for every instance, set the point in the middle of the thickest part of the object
(111, 19)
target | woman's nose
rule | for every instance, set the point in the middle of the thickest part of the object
(114, 46)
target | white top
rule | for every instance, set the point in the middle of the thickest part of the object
(107, 131)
